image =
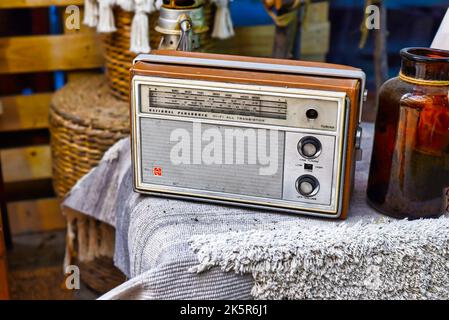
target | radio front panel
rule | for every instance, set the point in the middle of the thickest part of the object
(304, 129)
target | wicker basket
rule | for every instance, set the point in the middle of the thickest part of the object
(119, 58)
(85, 121)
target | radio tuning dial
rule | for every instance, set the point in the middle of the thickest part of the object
(309, 147)
(307, 185)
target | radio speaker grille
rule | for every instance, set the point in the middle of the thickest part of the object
(179, 163)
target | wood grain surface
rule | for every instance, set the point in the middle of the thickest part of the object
(50, 53)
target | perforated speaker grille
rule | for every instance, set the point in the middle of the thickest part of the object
(172, 163)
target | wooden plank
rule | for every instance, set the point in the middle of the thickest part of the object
(26, 164)
(3, 279)
(35, 216)
(25, 112)
(50, 53)
(249, 41)
(15, 4)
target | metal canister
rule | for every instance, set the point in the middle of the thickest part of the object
(181, 22)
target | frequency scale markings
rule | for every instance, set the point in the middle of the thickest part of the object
(218, 102)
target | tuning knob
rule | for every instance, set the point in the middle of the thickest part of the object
(307, 185)
(309, 147)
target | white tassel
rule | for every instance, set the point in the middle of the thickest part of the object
(140, 33)
(106, 16)
(140, 29)
(127, 5)
(90, 13)
(223, 27)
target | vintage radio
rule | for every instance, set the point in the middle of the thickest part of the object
(266, 133)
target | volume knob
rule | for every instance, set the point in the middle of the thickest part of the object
(309, 147)
(307, 185)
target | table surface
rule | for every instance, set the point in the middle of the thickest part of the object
(153, 233)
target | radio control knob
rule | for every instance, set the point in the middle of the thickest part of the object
(311, 114)
(307, 185)
(309, 147)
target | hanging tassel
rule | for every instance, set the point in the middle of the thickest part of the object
(140, 29)
(185, 41)
(90, 13)
(127, 5)
(106, 16)
(140, 35)
(223, 27)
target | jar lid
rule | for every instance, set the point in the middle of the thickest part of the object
(425, 66)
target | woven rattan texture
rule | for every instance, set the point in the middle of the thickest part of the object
(85, 120)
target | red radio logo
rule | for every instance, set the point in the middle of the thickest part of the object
(157, 171)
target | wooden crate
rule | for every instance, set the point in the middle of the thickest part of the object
(24, 150)
(26, 159)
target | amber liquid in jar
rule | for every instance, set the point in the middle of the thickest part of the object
(409, 173)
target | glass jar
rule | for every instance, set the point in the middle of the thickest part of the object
(409, 173)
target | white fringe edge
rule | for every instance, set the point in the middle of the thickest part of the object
(90, 13)
(106, 16)
(140, 31)
(223, 27)
(99, 13)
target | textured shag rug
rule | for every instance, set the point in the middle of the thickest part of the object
(384, 259)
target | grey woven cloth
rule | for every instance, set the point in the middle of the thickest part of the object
(163, 244)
